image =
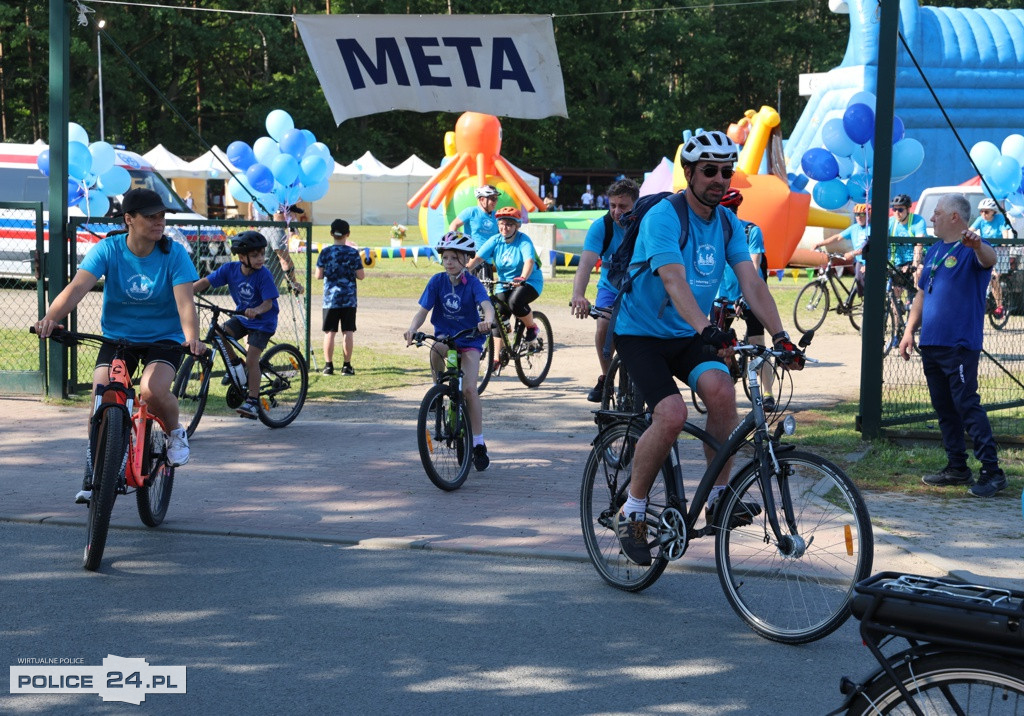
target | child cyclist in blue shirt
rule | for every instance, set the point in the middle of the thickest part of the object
(254, 290)
(455, 296)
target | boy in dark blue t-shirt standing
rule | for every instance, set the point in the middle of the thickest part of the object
(340, 266)
(252, 287)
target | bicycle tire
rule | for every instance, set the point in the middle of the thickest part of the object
(602, 494)
(533, 364)
(108, 456)
(284, 381)
(997, 322)
(792, 597)
(486, 364)
(947, 682)
(811, 307)
(445, 449)
(698, 404)
(619, 391)
(856, 309)
(891, 331)
(191, 388)
(154, 498)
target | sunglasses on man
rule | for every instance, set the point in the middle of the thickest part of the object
(710, 170)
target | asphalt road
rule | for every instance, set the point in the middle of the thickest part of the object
(277, 626)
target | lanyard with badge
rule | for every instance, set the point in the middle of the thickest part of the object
(936, 264)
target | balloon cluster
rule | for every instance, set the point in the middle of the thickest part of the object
(1001, 170)
(843, 167)
(287, 166)
(92, 176)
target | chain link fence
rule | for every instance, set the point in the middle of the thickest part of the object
(906, 406)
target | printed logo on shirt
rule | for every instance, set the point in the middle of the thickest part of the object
(140, 287)
(246, 292)
(705, 261)
(452, 303)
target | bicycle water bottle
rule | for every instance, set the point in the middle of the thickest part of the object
(452, 362)
(238, 370)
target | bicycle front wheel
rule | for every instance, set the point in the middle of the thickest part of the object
(154, 497)
(486, 364)
(604, 491)
(811, 307)
(948, 683)
(444, 437)
(283, 385)
(534, 361)
(108, 456)
(191, 386)
(855, 308)
(796, 589)
(619, 391)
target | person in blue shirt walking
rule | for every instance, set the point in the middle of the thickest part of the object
(254, 291)
(603, 238)
(990, 225)
(513, 254)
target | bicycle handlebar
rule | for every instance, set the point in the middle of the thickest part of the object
(599, 312)
(418, 338)
(71, 338)
(211, 306)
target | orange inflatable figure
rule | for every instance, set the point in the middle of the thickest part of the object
(477, 151)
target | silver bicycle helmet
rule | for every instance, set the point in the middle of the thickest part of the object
(455, 241)
(987, 205)
(712, 146)
(487, 190)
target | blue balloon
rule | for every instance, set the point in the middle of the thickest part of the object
(115, 181)
(285, 169)
(829, 195)
(237, 191)
(75, 192)
(313, 170)
(864, 97)
(315, 192)
(318, 149)
(293, 143)
(983, 154)
(97, 204)
(241, 155)
(260, 177)
(833, 136)
(77, 133)
(103, 157)
(857, 186)
(265, 150)
(898, 129)
(1006, 173)
(907, 156)
(310, 137)
(819, 164)
(79, 160)
(279, 123)
(845, 167)
(859, 123)
(43, 162)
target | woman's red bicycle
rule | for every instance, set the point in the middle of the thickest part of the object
(126, 453)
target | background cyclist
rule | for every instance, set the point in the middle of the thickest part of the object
(478, 222)
(990, 225)
(513, 254)
(599, 244)
(454, 298)
(147, 298)
(254, 290)
(858, 234)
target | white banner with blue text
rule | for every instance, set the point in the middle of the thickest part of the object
(504, 65)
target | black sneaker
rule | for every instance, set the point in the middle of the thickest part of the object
(347, 370)
(949, 475)
(530, 335)
(594, 396)
(989, 483)
(632, 535)
(742, 515)
(480, 459)
(328, 369)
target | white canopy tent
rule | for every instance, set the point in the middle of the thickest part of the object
(170, 165)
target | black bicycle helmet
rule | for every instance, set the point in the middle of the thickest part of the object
(247, 242)
(900, 201)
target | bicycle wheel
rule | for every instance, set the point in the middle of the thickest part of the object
(444, 437)
(799, 589)
(191, 386)
(486, 364)
(856, 309)
(108, 455)
(154, 498)
(997, 322)
(811, 307)
(891, 330)
(619, 391)
(283, 385)
(602, 495)
(948, 683)
(534, 362)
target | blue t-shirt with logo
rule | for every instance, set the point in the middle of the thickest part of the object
(138, 292)
(340, 264)
(755, 245)
(509, 258)
(647, 310)
(989, 229)
(478, 224)
(954, 286)
(915, 226)
(454, 308)
(595, 241)
(249, 292)
(858, 236)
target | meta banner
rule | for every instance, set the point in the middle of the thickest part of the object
(505, 65)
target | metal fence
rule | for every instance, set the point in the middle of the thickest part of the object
(906, 406)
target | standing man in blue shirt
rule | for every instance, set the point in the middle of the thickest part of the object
(603, 238)
(950, 310)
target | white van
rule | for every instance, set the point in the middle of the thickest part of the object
(21, 180)
(925, 205)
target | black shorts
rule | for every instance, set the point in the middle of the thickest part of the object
(132, 356)
(253, 336)
(653, 363)
(346, 317)
(754, 326)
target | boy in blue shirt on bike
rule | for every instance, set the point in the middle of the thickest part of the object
(455, 296)
(254, 290)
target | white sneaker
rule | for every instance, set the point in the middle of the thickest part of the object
(83, 497)
(177, 447)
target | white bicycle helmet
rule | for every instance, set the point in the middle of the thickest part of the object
(487, 190)
(712, 146)
(456, 241)
(987, 205)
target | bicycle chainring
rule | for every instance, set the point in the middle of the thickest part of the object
(672, 537)
(234, 397)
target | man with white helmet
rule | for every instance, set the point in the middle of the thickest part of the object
(662, 331)
(989, 225)
(479, 221)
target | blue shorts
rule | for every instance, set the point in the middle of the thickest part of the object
(605, 297)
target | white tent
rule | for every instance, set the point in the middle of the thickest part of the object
(212, 164)
(413, 166)
(170, 165)
(369, 165)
